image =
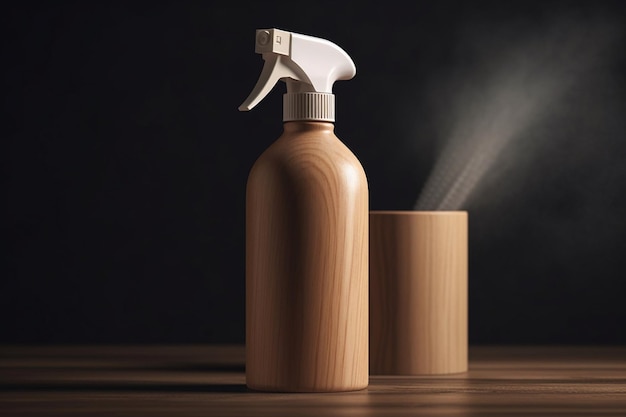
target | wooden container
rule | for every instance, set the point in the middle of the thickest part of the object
(418, 292)
(307, 265)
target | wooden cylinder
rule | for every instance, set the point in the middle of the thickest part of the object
(418, 292)
(307, 265)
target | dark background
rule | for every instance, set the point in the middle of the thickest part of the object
(125, 161)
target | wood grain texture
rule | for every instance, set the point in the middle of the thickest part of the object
(418, 292)
(210, 381)
(307, 265)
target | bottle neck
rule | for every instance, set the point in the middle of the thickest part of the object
(309, 106)
(295, 126)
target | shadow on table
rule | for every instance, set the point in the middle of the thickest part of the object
(195, 367)
(123, 387)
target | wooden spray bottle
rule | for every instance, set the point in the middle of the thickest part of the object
(306, 231)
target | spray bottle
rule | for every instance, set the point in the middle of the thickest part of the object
(306, 231)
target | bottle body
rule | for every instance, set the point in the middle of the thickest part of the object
(307, 265)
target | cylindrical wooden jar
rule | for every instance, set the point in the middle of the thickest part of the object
(418, 292)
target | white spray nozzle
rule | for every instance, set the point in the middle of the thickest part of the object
(306, 63)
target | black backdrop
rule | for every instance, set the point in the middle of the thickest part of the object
(125, 162)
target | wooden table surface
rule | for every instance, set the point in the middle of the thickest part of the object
(209, 381)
